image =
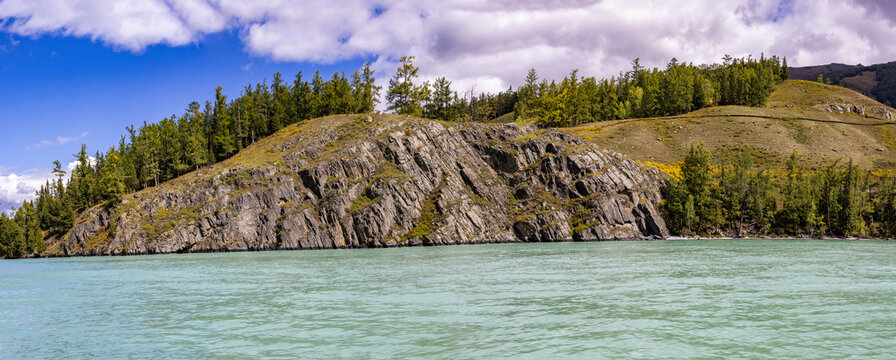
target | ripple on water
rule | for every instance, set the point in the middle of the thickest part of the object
(672, 299)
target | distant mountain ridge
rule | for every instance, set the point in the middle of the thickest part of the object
(811, 73)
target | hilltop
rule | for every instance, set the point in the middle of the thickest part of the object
(799, 115)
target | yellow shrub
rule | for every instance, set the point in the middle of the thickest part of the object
(673, 170)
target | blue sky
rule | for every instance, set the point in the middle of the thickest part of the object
(83, 91)
(74, 71)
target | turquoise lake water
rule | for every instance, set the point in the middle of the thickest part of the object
(754, 299)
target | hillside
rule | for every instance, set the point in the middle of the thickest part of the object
(799, 115)
(352, 181)
(877, 81)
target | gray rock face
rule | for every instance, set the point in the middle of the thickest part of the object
(880, 112)
(386, 183)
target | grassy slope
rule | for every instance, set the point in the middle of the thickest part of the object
(772, 132)
(863, 83)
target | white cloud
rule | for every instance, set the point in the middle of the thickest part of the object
(489, 44)
(60, 140)
(74, 164)
(16, 188)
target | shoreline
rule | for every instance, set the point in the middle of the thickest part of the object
(820, 238)
(398, 245)
(409, 245)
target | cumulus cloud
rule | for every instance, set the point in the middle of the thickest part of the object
(60, 140)
(486, 44)
(15, 188)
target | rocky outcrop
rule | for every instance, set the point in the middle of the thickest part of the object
(349, 182)
(880, 112)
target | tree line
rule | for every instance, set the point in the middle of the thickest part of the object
(217, 129)
(679, 88)
(733, 196)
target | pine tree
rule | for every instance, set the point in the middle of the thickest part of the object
(652, 102)
(112, 182)
(80, 182)
(195, 141)
(549, 108)
(527, 96)
(57, 170)
(301, 97)
(690, 214)
(149, 146)
(12, 238)
(785, 71)
(318, 106)
(60, 214)
(403, 96)
(282, 110)
(885, 206)
(849, 200)
(338, 95)
(224, 139)
(365, 91)
(27, 220)
(791, 217)
(440, 107)
(696, 175)
(828, 206)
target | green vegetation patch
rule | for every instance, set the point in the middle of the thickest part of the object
(581, 219)
(429, 217)
(291, 210)
(166, 219)
(426, 223)
(541, 201)
(362, 202)
(534, 135)
(388, 170)
(478, 200)
(99, 240)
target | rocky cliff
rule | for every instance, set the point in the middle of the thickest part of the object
(356, 181)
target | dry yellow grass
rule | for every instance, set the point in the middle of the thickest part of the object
(772, 133)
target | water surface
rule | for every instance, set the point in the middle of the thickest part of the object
(663, 299)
